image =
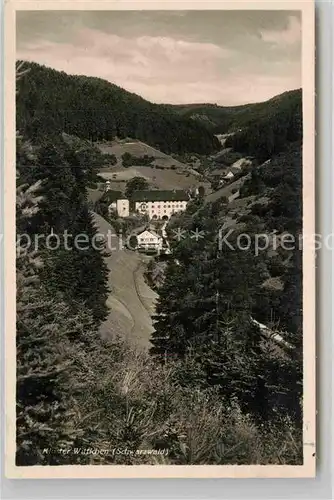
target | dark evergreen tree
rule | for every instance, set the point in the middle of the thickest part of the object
(79, 273)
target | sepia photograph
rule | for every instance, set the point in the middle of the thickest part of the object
(161, 261)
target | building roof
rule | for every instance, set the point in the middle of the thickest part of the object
(149, 231)
(172, 195)
(226, 171)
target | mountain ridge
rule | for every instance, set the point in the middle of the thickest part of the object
(225, 119)
(50, 101)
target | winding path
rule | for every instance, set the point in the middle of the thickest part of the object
(131, 300)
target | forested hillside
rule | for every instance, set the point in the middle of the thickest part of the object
(267, 129)
(218, 119)
(213, 290)
(50, 102)
(63, 206)
(222, 119)
(61, 292)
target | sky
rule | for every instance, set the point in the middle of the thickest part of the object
(178, 57)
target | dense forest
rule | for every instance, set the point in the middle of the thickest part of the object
(223, 119)
(211, 293)
(267, 133)
(50, 102)
(213, 389)
(61, 293)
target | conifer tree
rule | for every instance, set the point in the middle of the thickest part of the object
(45, 352)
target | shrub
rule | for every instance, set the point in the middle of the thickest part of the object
(133, 242)
(276, 267)
(247, 218)
(259, 209)
(137, 404)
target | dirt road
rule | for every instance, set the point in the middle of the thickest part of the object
(131, 300)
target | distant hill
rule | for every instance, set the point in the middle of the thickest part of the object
(218, 119)
(51, 102)
(223, 119)
(260, 130)
(269, 128)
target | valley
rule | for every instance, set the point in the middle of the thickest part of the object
(131, 301)
(177, 341)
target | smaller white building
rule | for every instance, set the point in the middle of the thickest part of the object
(123, 207)
(149, 240)
(118, 203)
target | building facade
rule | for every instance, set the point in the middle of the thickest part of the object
(157, 205)
(160, 204)
(123, 207)
(149, 240)
(118, 203)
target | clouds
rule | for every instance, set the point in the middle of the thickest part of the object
(166, 58)
(289, 36)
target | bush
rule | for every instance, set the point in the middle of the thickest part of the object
(133, 242)
(259, 209)
(247, 218)
(276, 267)
(138, 404)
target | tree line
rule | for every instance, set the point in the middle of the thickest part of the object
(225, 119)
(50, 102)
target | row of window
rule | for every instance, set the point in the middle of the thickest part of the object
(173, 205)
(165, 211)
(142, 240)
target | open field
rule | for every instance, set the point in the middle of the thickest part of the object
(138, 148)
(158, 179)
(165, 172)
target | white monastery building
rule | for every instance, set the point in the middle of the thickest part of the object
(155, 204)
(160, 204)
